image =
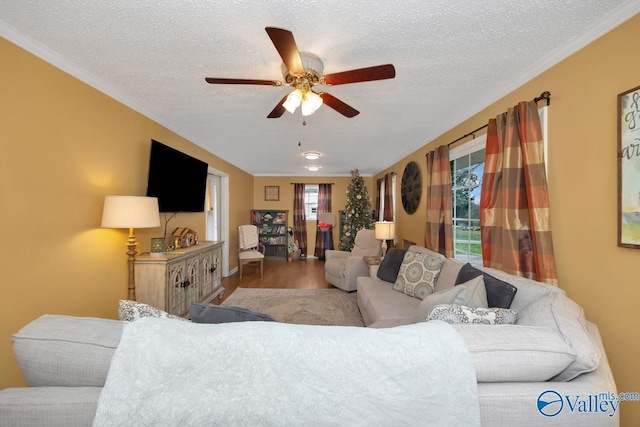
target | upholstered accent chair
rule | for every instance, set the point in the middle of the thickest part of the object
(342, 268)
(249, 248)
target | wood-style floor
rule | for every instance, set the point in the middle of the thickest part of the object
(278, 273)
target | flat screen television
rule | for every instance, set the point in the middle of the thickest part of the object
(178, 180)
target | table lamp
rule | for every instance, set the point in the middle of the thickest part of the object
(385, 230)
(130, 212)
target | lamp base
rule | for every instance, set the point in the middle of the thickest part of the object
(384, 248)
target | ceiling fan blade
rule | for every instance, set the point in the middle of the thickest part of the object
(286, 46)
(339, 106)
(216, 80)
(279, 110)
(379, 72)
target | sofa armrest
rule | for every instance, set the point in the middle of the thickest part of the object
(335, 254)
(50, 406)
(354, 267)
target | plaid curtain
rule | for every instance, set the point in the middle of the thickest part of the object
(388, 198)
(514, 203)
(439, 230)
(299, 218)
(378, 207)
(324, 206)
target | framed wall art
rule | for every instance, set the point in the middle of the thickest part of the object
(272, 192)
(629, 168)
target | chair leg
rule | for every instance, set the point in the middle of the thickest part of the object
(240, 267)
(260, 268)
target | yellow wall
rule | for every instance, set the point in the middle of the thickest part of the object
(592, 269)
(338, 199)
(64, 146)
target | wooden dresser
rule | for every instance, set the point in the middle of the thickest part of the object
(173, 280)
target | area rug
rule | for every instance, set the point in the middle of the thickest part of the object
(301, 306)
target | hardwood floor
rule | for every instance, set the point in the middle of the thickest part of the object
(278, 273)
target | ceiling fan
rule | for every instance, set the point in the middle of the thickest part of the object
(302, 71)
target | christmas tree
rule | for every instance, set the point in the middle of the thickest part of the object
(358, 213)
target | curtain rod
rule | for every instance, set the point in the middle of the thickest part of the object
(544, 95)
(313, 183)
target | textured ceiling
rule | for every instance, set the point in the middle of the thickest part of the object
(452, 59)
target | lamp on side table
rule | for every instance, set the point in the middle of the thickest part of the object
(130, 212)
(385, 230)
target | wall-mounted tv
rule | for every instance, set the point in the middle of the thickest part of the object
(178, 180)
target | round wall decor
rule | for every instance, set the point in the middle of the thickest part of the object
(411, 187)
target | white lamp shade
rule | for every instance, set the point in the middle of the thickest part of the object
(385, 230)
(130, 212)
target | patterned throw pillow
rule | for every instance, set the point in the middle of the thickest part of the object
(132, 310)
(418, 274)
(452, 313)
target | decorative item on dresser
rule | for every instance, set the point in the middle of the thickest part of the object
(272, 229)
(174, 280)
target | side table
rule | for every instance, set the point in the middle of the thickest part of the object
(374, 263)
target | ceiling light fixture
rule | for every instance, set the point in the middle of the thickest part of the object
(311, 155)
(303, 97)
(313, 168)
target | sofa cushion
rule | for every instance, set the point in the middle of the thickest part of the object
(377, 300)
(528, 290)
(499, 294)
(132, 310)
(557, 311)
(48, 406)
(418, 273)
(211, 313)
(513, 353)
(390, 265)
(470, 294)
(452, 313)
(56, 350)
(448, 272)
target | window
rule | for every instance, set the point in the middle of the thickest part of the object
(380, 214)
(311, 201)
(467, 168)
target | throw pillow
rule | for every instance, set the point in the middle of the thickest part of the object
(390, 265)
(470, 294)
(499, 294)
(452, 313)
(418, 274)
(211, 313)
(132, 310)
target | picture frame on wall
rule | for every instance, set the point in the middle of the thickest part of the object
(272, 193)
(629, 168)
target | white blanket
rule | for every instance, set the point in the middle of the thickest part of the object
(169, 373)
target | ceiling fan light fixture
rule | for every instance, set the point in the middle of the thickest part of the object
(293, 101)
(311, 155)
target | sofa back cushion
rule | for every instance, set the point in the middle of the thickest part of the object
(556, 311)
(528, 290)
(56, 350)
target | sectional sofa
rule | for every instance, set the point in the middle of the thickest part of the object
(547, 368)
(538, 362)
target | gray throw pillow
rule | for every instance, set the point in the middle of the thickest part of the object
(499, 294)
(211, 313)
(390, 265)
(471, 294)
